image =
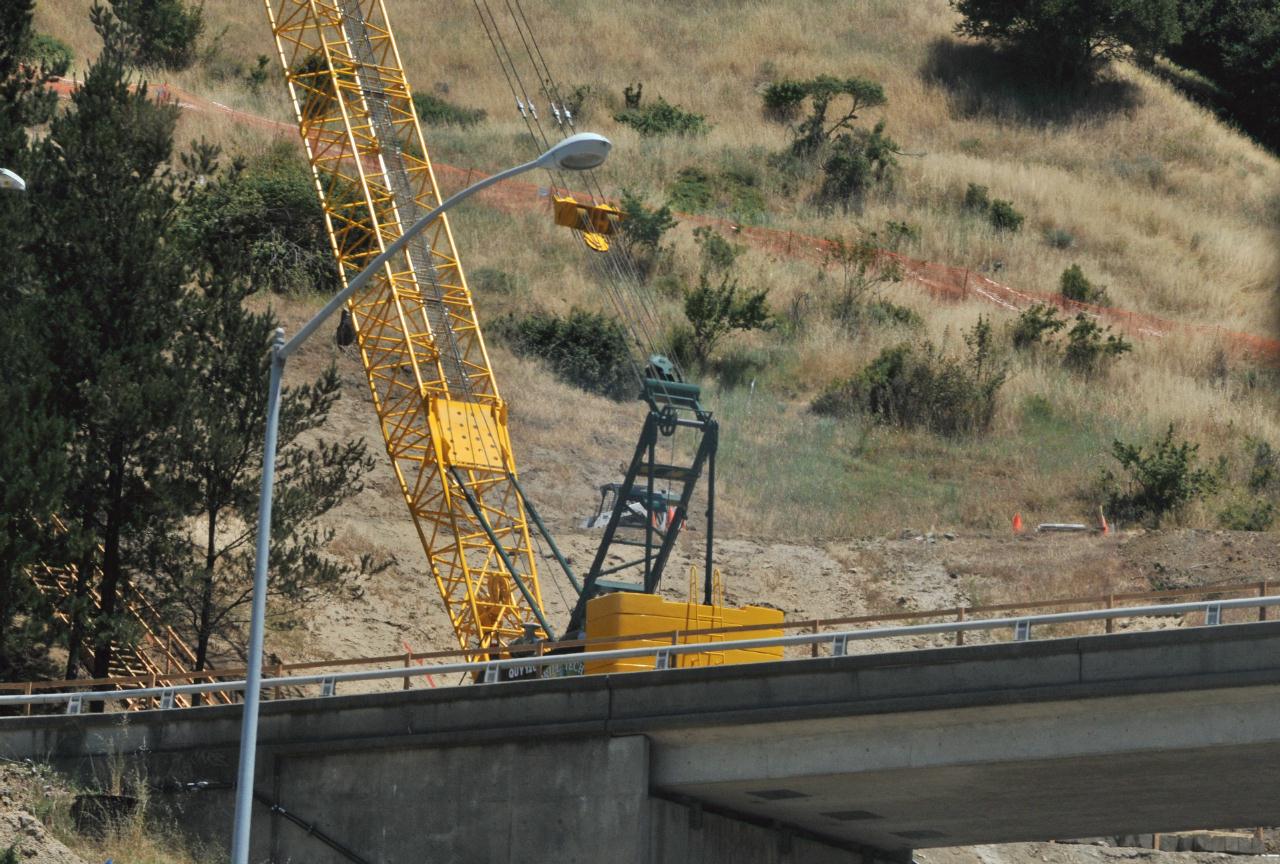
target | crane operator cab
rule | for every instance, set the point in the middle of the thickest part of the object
(638, 508)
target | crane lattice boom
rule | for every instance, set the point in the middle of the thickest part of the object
(444, 424)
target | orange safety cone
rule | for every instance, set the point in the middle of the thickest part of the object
(1017, 523)
(1106, 529)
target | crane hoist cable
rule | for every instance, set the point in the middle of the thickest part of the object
(620, 285)
(673, 404)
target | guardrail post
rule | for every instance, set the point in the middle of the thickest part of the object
(408, 659)
(1022, 630)
(151, 682)
(813, 649)
(28, 690)
(1111, 622)
(277, 673)
(1262, 592)
(959, 633)
(840, 645)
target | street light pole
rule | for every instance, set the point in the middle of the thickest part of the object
(576, 153)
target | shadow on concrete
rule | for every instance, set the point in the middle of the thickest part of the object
(983, 81)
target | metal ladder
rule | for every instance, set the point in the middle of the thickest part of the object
(672, 406)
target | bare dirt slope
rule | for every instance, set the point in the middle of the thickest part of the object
(1062, 853)
(567, 443)
(22, 787)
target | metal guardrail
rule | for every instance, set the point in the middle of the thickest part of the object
(1216, 591)
(488, 671)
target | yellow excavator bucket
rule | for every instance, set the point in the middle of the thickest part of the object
(595, 221)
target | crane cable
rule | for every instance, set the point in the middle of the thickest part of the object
(624, 263)
(616, 269)
(619, 273)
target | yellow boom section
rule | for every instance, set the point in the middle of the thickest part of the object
(444, 423)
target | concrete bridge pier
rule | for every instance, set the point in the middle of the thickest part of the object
(568, 800)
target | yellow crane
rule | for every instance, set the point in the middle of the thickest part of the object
(442, 417)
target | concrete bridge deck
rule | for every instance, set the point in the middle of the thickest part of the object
(825, 759)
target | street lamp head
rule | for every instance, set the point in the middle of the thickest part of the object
(579, 152)
(9, 180)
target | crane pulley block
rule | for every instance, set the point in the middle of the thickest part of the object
(596, 221)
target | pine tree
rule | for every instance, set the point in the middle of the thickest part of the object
(32, 442)
(102, 204)
(206, 574)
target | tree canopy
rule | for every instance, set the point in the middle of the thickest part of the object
(1069, 39)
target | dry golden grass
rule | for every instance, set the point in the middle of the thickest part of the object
(1176, 214)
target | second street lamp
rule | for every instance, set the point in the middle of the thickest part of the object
(11, 181)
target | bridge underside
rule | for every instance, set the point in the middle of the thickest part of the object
(1000, 801)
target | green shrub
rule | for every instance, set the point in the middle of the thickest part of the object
(691, 191)
(734, 191)
(10, 855)
(718, 254)
(586, 349)
(858, 160)
(162, 33)
(1264, 469)
(1087, 350)
(580, 101)
(257, 76)
(1059, 238)
(1161, 478)
(784, 99)
(436, 111)
(1004, 217)
(887, 313)
(1074, 285)
(1257, 514)
(900, 234)
(663, 118)
(643, 231)
(816, 130)
(977, 199)
(265, 220)
(1033, 325)
(714, 310)
(49, 53)
(920, 388)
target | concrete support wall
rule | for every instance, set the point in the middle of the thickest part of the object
(575, 802)
(568, 801)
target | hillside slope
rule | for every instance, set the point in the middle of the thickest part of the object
(1175, 213)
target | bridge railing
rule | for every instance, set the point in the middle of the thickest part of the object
(1214, 612)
